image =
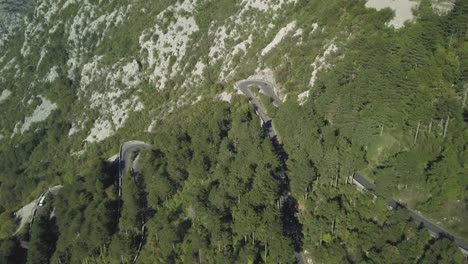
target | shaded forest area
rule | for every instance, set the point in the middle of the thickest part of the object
(391, 108)
(208, 190)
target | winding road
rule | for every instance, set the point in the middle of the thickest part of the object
(417, 217)
(125, 157)
(267, 89)
(124, 161)
(126, 151)
(53, 190)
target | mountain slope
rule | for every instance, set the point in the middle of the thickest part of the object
(362, 90)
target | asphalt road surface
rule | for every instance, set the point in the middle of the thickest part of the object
(125, 157)
(126, 151)
(437, 230)
(267, 89)
(125, 160)
(136, 164)
(300, 258)
(53, 190)
(417, 217)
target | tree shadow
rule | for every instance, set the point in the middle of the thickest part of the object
(291, 226)
(289, 206)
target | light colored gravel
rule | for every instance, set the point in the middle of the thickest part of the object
(161, 45)
(442, 6)
(52, 75)
(25, 214)
(320, 62)
(40, 114)
(225, 96)
(279, 37)
(302, 97)
(101, 130)
(5, 94)
(403, 9)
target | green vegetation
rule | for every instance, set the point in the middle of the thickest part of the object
(389, 105)
(213, 186)
(204, 186)
(364, 114)
(43, 237)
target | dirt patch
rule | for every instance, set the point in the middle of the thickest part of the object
(225, 96)
(403, 9)
(5, 94)
(302, 97)
(442, 7)
(25, 214)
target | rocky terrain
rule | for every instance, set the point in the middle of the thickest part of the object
(370, 86)
(171, 53)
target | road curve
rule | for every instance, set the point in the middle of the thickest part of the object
(125, 156)
(126, 151)
(53, 190)
(267, 89)
(124, 162)
(136, 164)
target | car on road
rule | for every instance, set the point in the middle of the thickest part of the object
(42, 201)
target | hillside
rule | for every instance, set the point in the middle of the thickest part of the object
(375, 87)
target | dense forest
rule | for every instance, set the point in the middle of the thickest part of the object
(210, 188)
(392, 109)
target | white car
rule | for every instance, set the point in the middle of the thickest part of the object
(42, 201)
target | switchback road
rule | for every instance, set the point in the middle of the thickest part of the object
(53, 190)
(125, 157)
(267, 89)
